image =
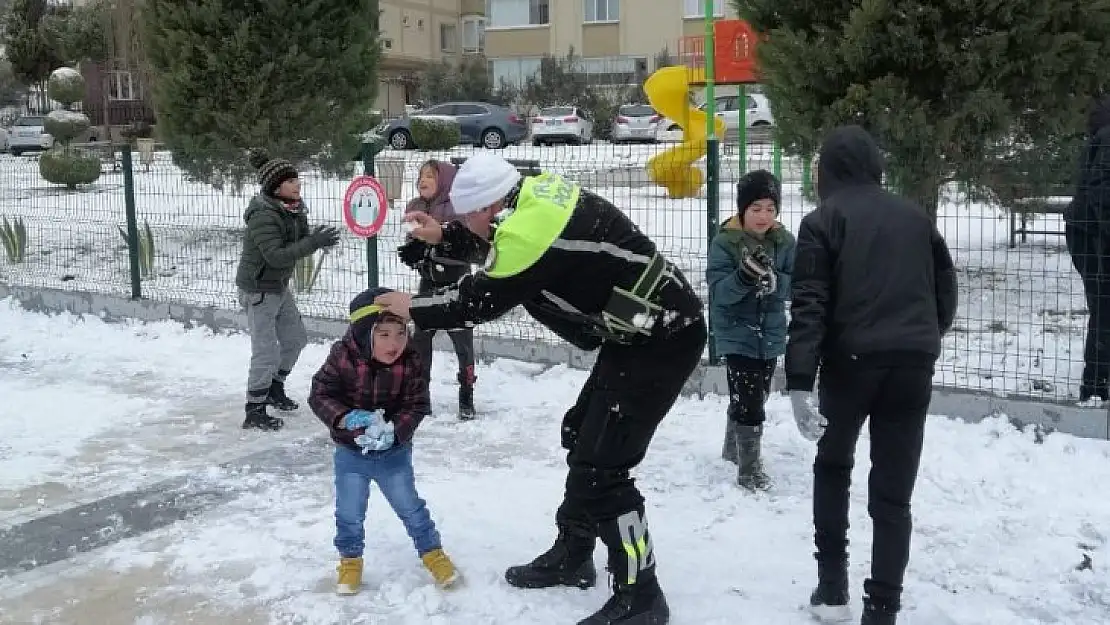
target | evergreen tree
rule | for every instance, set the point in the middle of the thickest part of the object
(297, 78)
(946, 86)
(27, 47)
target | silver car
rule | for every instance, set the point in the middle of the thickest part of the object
(634, 122)
(28, 135)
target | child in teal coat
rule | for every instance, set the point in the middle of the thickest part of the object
(750, 262)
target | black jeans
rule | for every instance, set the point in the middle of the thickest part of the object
(749, 385)
(628, 393)
(1090, 255)
(896, 399)
(462, 339)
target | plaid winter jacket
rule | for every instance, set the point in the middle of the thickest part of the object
(350, 379)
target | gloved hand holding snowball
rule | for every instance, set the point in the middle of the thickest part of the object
(358, 419)
(377, 433)
(807, 416)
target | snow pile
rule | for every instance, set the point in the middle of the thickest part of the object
(1007, 531)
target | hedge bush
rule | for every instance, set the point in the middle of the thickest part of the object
(69, 166)
(434, 134)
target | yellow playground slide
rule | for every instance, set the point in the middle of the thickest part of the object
(668, 92)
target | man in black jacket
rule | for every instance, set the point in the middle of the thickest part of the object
(874, 291)
(1088, 236)
(580, 267)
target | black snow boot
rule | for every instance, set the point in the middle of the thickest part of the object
(258, 418)
(879, 612)
(749, 455)
(829, 602)
(641, 603)
(728, 450)
(1094, 388)
(569, 562)
(278, 398)
(466, 402)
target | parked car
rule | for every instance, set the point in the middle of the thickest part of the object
(635, 122)
(481, 124)
(562, 124)
(27, 134)
(758, 113)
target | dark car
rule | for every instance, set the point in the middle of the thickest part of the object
(484, 125)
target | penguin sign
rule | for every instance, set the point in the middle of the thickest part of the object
(365, 206)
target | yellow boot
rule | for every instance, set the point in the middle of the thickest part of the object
(350, 576)
(441, 568)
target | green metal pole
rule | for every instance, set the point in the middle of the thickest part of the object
(132, 221)
(369, 153)
(743, 130)
(776, 158)
(712, 151)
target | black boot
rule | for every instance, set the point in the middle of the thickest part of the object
(728, 450)
(641, 603)
(466, 402)
(569, 562)
(748, 442)
(637, 598)
(1094, 388)
(258, 418)
(278, 398)
(879, 612)
(829, 601)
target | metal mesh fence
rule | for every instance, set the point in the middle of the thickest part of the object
(1022, 314)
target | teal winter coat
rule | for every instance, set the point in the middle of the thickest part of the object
(744, 324)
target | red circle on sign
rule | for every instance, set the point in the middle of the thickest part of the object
(365, 192)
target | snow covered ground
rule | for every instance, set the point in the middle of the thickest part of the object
(1021, 318)
(91, 409)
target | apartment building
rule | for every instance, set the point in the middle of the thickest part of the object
(417, 32)
(615, 38)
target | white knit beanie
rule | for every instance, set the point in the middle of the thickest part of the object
(481, 181)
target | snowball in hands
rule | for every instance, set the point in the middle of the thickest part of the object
(378, 437)
(806, 415)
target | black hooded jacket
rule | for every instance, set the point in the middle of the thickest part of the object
(873, 280)
(1090, 205)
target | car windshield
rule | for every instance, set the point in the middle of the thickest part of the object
(556, 111)
(637, 110)
(28, 121)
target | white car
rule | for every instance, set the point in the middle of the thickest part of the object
(635, 122)
(562, 124)
(28, 135)
(758, 113)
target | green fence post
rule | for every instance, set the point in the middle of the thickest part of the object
(132, 221)
(712, 152)
(370, 151)
(776, 158)
(807, 177)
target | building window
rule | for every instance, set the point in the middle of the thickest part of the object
(602, 10)
(696, 8)
(513, 71)
(121, 86)
(510, 13)
(614, 70)
(448, 35)
(473, 34)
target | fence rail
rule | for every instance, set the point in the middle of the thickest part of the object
(1022, 313)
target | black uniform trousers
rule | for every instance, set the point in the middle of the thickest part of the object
(462, 339)
(607, 432)
(1090, 254)
(749, 385)
(896, 399)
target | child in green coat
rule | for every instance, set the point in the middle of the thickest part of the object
(750, 262)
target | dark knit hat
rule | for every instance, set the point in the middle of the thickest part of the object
(365, 313)
(757, 185)
(271, 171)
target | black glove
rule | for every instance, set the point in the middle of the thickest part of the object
(758, 268)
(324, 237)
(413, 253)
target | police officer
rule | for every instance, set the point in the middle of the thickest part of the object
(580, 267)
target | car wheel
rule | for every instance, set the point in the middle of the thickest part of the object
(759, 124)
(537, 143)
(17, 152)
(400, 140)
(493, 139)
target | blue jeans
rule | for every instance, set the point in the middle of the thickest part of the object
(392, 470)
